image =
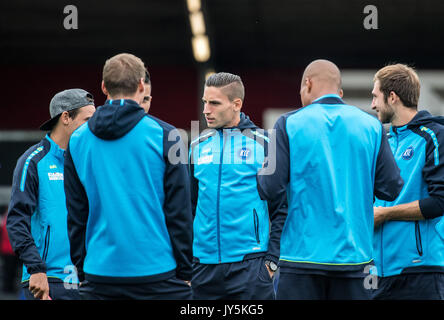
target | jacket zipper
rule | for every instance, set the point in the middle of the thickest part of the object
(222, 140)
(256, 226)
(46, 243)
(418, 238)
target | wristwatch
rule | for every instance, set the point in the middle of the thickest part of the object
(271, 265)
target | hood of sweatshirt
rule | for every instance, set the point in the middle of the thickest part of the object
(115, 118)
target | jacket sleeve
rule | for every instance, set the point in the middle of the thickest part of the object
(433, 173)
(177, 205)
(24, 200)
(78, 211)
(272, 181)
(388, 181)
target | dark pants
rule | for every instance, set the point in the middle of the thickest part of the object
(411, 286)
(57, 291)
(293, 286)
(170, 289)
(245, 280)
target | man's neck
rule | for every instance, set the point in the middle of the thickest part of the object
(324, 93)
(59, 138)
(233, 123)
(403, 117)
(124, 97)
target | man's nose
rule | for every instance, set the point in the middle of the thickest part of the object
(206, 109)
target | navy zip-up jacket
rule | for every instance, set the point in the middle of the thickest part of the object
(231, 221)
(37, 213)
(331, 159)
(415, 246)
(129, 213)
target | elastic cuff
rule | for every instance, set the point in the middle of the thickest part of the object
(80, 276)
(36, 268)
(183, 275)
(431, 207)
(271, 258)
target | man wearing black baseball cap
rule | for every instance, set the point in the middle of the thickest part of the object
(37, 212)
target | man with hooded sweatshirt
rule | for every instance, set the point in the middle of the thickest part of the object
(409, 231)
(234, 255)
(129, 213)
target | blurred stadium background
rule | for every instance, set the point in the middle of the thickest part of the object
(268, 43)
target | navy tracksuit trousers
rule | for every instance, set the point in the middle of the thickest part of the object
(245, 280)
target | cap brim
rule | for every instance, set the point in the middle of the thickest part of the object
(48, 125)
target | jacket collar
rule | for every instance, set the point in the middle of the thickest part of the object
(55, 149)
(421, 118)
(115, 118)
(244, 123)
(328, 99)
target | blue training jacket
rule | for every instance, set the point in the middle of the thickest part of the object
(129, 213)
(37, 213)
(331, 158)
(231, 221)
(415, 246)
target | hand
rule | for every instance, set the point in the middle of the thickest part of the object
(271, 273)
(379, 215)
(187, 282)
(38, 285)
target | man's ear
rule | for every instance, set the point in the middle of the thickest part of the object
(64, 118)
(141, 86)
(341, 93)
(105, 92)
(308, 84)
(393, 97)
(237, 104)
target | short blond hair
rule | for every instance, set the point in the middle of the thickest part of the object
(122, 74)
(402, 80)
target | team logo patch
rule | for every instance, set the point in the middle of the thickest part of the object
(205, 159)
(244, 153)
(54, 176)
(408, 153)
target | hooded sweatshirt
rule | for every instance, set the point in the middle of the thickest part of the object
(129, 214)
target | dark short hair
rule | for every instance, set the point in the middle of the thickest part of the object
(73, 113)
(232, 84)
(402, 80)
(147, 77)
(122, 73)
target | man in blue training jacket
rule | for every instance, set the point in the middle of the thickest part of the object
(409, 234)
(128, 200)
(37, 212)
(331, 159)
(234, 255)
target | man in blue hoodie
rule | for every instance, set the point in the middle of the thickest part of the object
(234, 255)
(129, 213)
(331, 159)
(409, 234)
(37, 212)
